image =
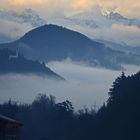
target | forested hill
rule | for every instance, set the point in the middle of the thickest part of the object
(56, 43)
(120, 118)
(11, 62)
(45, 119)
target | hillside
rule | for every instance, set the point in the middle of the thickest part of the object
(10, 62)
(55, 43)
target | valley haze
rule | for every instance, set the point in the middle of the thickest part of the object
(85, 86)
(89, 66)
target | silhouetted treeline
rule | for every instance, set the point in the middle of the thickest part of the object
(118, 119)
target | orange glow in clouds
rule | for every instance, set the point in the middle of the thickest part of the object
(27, 2)
(128, 8)
(82, 4)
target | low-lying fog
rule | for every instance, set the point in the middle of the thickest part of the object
(85, 86)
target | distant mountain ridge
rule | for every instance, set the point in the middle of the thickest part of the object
(56, 43)
(97, 19)
(10, 62)
(26, 16)
(14, 25)
(116, 46)
(121, 47)
(124, 20)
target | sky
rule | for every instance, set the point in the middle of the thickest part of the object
(130, 8)
(55, 11)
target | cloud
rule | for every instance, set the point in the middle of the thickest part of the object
(83, 4)
(121, 33)
(53, 8)
(118, 33)
(27, 2)
(130, 34)
(128, 8)
(15, 24)
(85, 85)
(12, 30)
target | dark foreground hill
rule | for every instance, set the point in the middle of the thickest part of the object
(52, 42)
(10, 62)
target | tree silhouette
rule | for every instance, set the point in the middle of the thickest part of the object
(118, 119)
(117, 89)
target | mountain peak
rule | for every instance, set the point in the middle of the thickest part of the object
(49, 33)
(115, 16)
(56, 43)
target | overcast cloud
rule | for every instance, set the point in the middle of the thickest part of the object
(11, 30)
(126, 7)
(118, 33)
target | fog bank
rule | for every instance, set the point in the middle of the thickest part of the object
(85, 86)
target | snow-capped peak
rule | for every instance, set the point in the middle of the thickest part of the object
(26, 16)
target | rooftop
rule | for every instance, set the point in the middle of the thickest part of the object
(8, 120)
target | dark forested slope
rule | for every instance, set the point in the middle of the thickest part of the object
(13, 62)
(52, 42)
